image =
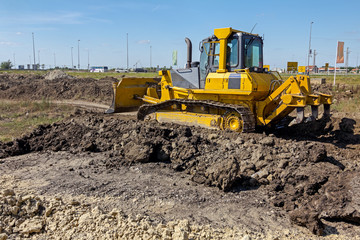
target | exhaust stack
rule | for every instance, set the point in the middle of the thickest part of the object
(189, 53)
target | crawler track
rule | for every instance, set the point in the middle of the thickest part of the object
(246, 115)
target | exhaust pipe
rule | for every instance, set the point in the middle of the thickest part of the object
(189, 53)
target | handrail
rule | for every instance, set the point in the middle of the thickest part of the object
(277, 74)
(246, 70)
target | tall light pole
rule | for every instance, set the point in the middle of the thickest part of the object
(78, 55)
(309, 53)
(127, 51)
(33, 49)
(88, 59)
(72, 59)
(14, 61)
(150, 57)
(39, 57)
(347, 60)
(54, 60)
(314, 53)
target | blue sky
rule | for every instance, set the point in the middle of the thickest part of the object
(101, 27)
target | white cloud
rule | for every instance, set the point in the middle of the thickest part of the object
(7, 43)
(160, 8)
(63, 18)
(144, 42)
(48, 18)
(18, 33)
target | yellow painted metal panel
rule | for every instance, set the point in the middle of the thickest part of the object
(301, 69)
(127, 88)
(191, 119)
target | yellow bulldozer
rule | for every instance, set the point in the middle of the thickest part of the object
(227, 89)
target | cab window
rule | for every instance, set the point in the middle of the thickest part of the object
(232, 58)
(216, 54)
(253, 52)
(204, 56)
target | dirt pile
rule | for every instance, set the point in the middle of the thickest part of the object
(60, 218)
(337, 90)
(57, 74)
(310, 171)
(55, 85)
(299, 176)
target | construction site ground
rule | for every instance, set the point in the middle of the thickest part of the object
(94, 176)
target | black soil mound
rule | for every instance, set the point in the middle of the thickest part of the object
(297, 173)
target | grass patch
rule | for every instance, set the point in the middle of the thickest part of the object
(21, 117)
(349, 79)
(110, 74)
(348, 105)
(81, 74)
(24, 72)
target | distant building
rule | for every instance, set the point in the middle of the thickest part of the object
(280, 70)
(313, 69)
(354, 70)
(331, 70)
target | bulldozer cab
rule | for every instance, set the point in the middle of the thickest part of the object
(226, 51)
(243, 50)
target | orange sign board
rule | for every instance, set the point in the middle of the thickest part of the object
(340, 52)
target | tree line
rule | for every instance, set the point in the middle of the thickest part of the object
(6, 65)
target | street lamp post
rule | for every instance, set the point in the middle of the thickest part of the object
(72, 59)
(88, 59)
(33, 49)
(127, 51)
(78, 55)
(309, 53)
(150, 58)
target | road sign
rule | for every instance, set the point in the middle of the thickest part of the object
(292, 66)
(302, 69)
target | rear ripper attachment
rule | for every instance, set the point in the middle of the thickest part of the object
(293, 94)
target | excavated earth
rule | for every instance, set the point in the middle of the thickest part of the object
(111, 176)
(55, 85)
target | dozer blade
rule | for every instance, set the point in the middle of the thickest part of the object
(125, 92)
